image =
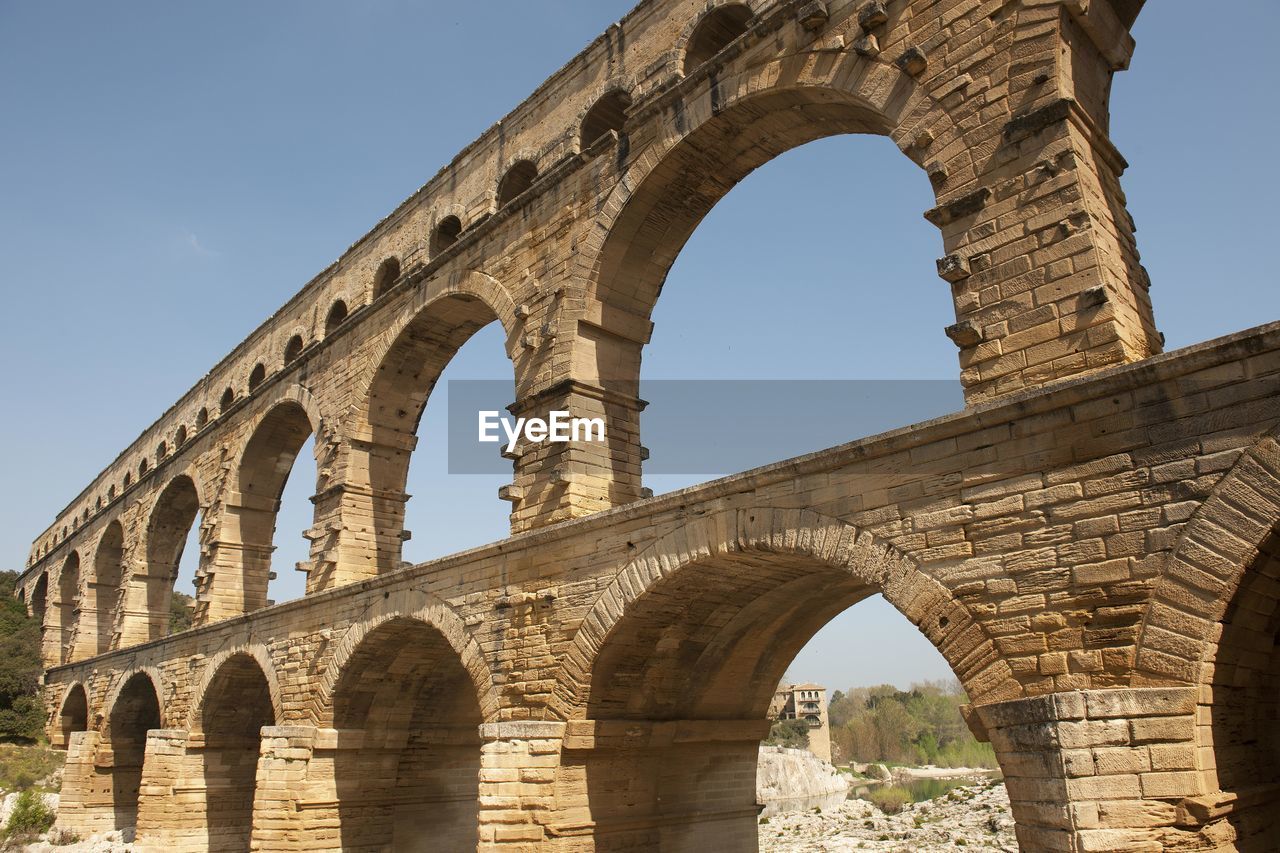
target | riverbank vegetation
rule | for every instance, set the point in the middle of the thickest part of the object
(922, 725)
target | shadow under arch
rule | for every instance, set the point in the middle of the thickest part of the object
(236, 700)
(73, 715)
(406, 769)
(68, 606)
(134, 709)
(444, 316)
(673, 669)
(104, 589)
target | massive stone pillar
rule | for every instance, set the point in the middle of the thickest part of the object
(1042, 259)
(675, 785)
(295, 803)
(1098, 770)
(85, 805)
(557, 481)
(173, 795)
(519, 793)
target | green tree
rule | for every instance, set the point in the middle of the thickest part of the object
(793, 734)
(21, 712)
(181, 612)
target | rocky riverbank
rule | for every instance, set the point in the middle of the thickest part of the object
(788, 774)
(973, 817)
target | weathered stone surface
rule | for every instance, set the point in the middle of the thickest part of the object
(1091, 544)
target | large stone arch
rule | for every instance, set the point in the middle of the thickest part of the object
(1220, 542)
(421, 607)
(98, 617)
(67, 612)
(178, 506)
(360, 519)
(112, 696)
(237, 580)
(134, 706)
(72, 715)
(804, 534)
(258, 653)
(676, 181)
(669, 677)
(407, 691)
(1212, 623)
(238, 696)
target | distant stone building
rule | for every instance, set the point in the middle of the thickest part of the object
(805, 702)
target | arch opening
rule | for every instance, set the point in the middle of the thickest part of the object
(702, 651)
(716, 31)
(68, 606)
(415, 772)
(335, 318)
(74, 715)
(385, 278)
(293, 349)
(228, 398)
(172, 520)
(406, 378)
(242, 586)
(446, 233)
(516, 181)
(237, 704)
(1241, 678)
(135, 712)
(104, 591)
(607, 115)
(39, 598)
(257, 376)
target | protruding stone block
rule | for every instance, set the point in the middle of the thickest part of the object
(964, 334)
(913, 61)
(1094, 297)
(813, 15)
(873, 15)
(868, 46)
(954, 268)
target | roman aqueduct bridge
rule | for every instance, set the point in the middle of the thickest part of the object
(1091, 543)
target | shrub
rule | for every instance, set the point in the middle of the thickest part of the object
(890, 800)
(29, 818)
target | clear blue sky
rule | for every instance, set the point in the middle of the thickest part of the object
(170, 173)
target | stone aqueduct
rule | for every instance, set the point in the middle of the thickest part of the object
(1092, 543)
